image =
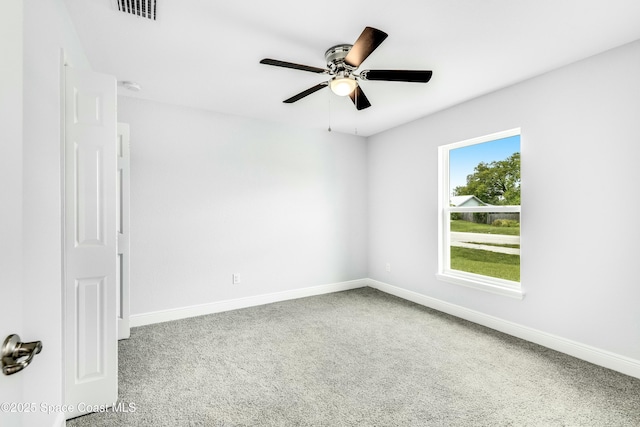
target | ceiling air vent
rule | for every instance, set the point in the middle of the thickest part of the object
(140, 8)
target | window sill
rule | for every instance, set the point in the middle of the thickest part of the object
(496, 286)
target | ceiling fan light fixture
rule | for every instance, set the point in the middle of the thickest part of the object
(343, 86)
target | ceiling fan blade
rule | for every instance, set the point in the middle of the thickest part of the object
(418, 76)
(359, 99)
(304, 93)
(368, 41)
(285, 64)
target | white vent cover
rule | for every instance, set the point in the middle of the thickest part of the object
(141, 8)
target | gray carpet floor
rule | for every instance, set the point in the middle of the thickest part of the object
(355, 358)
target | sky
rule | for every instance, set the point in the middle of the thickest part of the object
(463, 160)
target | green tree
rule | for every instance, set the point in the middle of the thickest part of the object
(496, 183)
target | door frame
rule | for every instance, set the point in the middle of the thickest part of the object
(124, 229)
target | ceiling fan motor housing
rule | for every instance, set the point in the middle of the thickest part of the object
(335, 58)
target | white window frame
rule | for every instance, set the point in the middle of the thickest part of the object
(445, 273)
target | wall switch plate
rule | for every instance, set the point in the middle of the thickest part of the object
(236, 279)
(389, 267)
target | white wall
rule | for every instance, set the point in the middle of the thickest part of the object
(580, 150)
(47, 29)
(213, 195)
(11, 53)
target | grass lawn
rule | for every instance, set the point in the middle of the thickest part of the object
(472, 227)
(487, 263)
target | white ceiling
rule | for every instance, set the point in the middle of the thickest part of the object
(206, 53)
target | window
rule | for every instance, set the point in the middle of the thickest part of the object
(479, 220)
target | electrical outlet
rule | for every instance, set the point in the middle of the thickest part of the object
(236, 278)
(388, 267)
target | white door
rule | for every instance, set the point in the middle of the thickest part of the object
(11, 281)
(90, 239)
(122, 222)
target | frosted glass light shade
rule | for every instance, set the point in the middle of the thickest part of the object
(343, 86)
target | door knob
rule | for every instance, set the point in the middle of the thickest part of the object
(17, 355)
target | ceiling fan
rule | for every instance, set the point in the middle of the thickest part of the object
(342, 62)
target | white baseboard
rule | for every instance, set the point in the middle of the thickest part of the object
(234, 304)
(61, 420)
(594, 355)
